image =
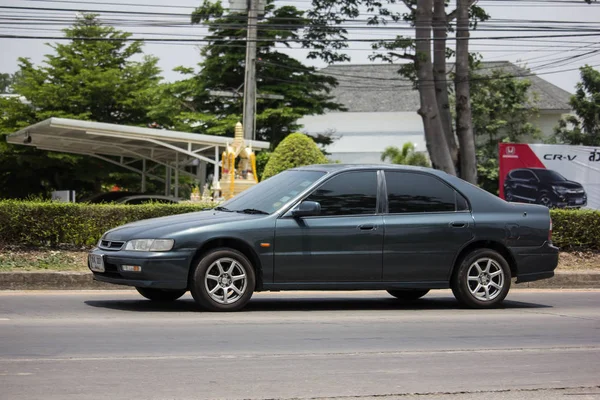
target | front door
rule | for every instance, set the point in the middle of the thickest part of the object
(343, 244)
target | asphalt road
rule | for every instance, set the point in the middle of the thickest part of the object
(115, 345)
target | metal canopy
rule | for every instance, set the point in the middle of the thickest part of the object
(123, 145)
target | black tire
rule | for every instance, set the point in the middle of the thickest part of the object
(545, 200)
(201, 286)
(161, 294)
(466, 290)
(408, 294)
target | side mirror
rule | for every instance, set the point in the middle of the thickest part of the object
(307, 209)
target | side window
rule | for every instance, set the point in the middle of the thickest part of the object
(520, 174)
(530, 175)
(415, 193)
(351, 193)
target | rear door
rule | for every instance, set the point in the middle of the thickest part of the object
(427, 222)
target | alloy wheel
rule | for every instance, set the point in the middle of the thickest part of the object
(225, 280)
(485, 279)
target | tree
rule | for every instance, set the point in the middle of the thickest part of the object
(92, 77)
(295, 150)
(6, 81)
(583, 127)
(406, 156)
(502, 110)
(464, 126)
(190, 104)
(430, 72)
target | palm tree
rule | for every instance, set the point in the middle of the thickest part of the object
(406, 156)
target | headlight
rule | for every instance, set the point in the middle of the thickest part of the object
(150, 245)
(559, 189)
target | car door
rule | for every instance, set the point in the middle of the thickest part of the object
(525, 185)
(342, 244)
(427, 222)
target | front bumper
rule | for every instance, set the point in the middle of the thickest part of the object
(535, 263)
(166, 270)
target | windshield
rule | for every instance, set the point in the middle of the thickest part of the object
(269, 195)
(548, 175)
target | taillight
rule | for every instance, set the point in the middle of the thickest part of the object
(550, 231)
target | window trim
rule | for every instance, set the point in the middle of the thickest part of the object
(288, 213)
(456, 191)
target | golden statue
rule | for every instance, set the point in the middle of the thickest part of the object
(236, 180)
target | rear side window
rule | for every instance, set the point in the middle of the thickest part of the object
(418, 193)
(521, 174)
(351, 193)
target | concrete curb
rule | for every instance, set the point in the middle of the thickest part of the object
(84, 281)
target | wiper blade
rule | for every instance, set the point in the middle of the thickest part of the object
(252, 211)
(222, 209)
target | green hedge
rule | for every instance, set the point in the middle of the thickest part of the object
(576, 229)
(29, 223)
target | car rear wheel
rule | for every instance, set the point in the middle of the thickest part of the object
(160, 294)
(482, 279)
(408, 295)
(223, 280)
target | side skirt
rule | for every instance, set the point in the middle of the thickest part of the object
(355, 285)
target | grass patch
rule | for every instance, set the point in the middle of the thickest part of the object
(42, 260)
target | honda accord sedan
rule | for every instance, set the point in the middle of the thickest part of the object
(406, 230)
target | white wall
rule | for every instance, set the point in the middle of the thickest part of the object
(361, 137)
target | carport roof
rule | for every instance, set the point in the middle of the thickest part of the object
(103, 139)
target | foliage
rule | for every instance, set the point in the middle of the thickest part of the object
(6, 82)
(406, 156)
(576, 229)
(584, 128)
(76, 225)
(189, 105)
(295, 150)
(501, 109)
(262, 159)
(84, 79)
(35, 223)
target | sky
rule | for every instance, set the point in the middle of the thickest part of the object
(554, 59)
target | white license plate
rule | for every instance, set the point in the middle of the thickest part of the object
(96, 262)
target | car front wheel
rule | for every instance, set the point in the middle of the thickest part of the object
(408, 295)
(223, 280)
(160, 294)
(482, 279)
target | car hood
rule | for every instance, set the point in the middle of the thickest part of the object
(159, 227)
(567, 184)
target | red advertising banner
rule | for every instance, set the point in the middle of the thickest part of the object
(552, 175)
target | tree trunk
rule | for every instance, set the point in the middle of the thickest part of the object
(464, 123)
(432, 123)
(440, 35)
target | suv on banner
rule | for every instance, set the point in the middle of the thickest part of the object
(543, 186)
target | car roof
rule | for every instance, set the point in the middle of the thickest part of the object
(149, 196)
(354, 167)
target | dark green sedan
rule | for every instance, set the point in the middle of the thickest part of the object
(402, 229)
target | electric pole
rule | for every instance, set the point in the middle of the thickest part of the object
(250, 76)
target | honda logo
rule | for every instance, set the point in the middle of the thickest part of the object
(510, 150)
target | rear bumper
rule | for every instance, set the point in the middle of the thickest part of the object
(535, 263)
(167, 270)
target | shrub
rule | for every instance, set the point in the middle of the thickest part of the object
(576, 229)
(295, 150)
(34, 223)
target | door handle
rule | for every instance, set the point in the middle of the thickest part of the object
(458, 224)
(367, 227)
